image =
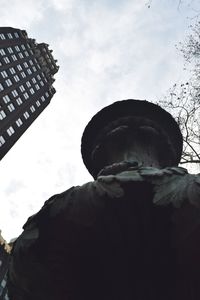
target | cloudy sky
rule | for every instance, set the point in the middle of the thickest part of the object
(107, 50)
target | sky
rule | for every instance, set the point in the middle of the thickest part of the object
(107, 50)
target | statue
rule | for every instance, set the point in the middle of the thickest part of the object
(132, 233)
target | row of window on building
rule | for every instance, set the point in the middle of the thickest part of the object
(12, 56)
(26, 115)
(2, 289)
(11, 106)
(26, 66)
(26, 91)
(16, 48)
(37, 82)
(11, 75)
(9, 35)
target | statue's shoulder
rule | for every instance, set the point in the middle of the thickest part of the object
(76, 203)
(55, 199)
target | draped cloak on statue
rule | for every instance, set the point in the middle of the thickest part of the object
(94, 242)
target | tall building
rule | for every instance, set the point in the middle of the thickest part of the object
(26, 78)
(4, 261)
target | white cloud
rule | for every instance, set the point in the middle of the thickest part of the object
(64, 5)
(21, 13)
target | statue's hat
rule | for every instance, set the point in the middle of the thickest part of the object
(131, 108)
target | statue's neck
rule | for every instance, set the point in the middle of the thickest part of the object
(145, 156)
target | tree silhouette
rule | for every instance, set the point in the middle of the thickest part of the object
(183, 100)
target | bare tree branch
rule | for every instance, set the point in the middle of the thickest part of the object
(197, 161)
(183, 100)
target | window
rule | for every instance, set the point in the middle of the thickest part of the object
(37, 87)
(2, 36)
(34, 80)
(10, 131)
(23, 74)
(2, 52)
(26, 115)
(6, 297)
(14, 57)
(17, 48)
(7, 60)
(43, 98)
(21, 87)
(8, 82)
(16, 77)
(34, 69)
(29, 71)
(31, 62)
(10, 36)
(21, 55)
(19, 67)
(23, 47)
(19, 122)
(26, 96)
(28, 84)
(1, 87)
(47, 94)
(2, 114)
(25, 65)
(11, 107)
(26, 53)
(19, 101)
(14, 93)
(2, 141)
(32, 108)
(32, 91)
(38, 103)
(3, 283)
(6, 99)
(4, 74)
(38, 77)
(10, 50)
(42, 83)
(12, 71)
(16, 34)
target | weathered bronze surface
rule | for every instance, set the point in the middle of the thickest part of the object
(132, 233)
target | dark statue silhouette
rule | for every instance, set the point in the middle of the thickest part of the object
(132, 233)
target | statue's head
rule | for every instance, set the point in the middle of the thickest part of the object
(131, 130)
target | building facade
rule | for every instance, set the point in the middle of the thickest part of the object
(26, 76)
(4, 261)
